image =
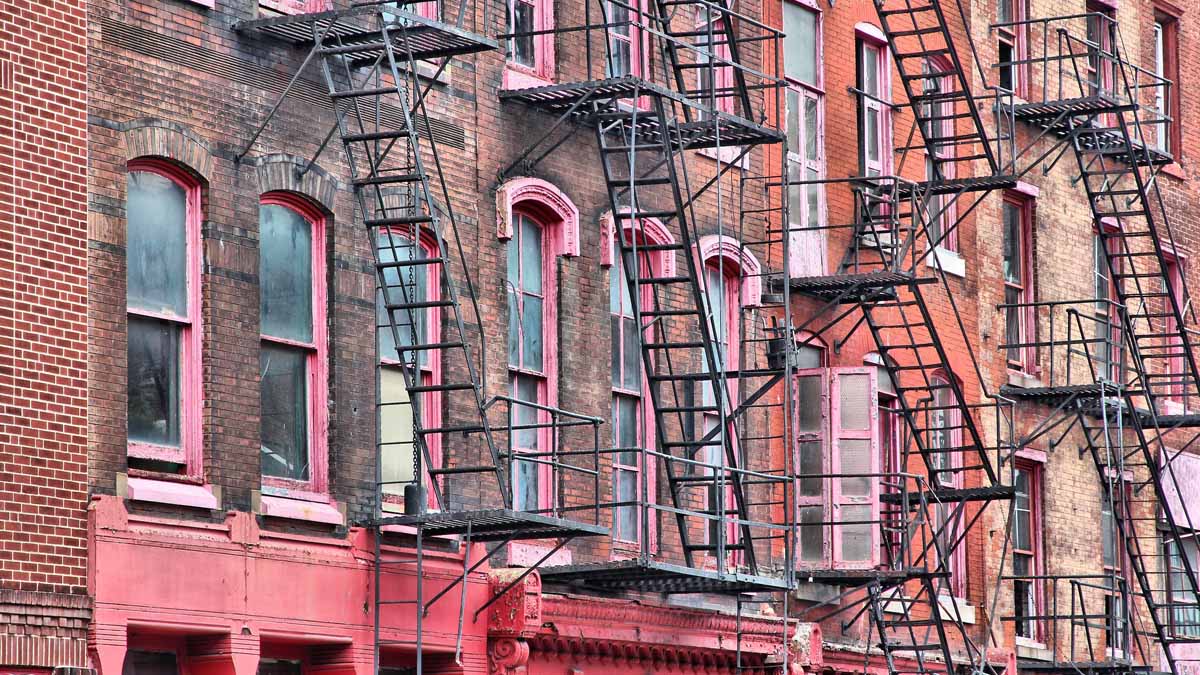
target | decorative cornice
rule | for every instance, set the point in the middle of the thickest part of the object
(572, 608)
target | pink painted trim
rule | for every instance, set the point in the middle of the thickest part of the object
(558, 217)
(153, 451)
(518, 77)
(295, 509)
(822, 437)
(651, 229)
(169, 492)
(543, 70)
(1111, 4)
(1026, 189)
(870, 434)
(871, 33)
(713, 246)
(1031, 455)
(317, 485)
(546, 203)
(289, 6)
(191, 357)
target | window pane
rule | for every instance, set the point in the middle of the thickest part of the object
(285, 273)
(811, 540)
(156, 244)
(793, 121)
(149, 663)
(395, 431)
(870, 70)
(872, 135)
(856, 537)
(522, 48)
(800, 45)
(615, 341)
(284, 404)
(627, 427)
(1022, 535)
(854, 401)
(531, 255)
(633, 357)
(855, 458)
(153, 381)
(617, 63)
(1012, 244)
(812, 466)
(811, 129)
(809, 396)
(404, 285)
(531, 333)
(627, 516)
(525, 473)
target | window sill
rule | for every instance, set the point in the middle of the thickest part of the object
(1017, 378)
(521, 554)
(516, 77)
(726, 155)
(948, 261)
(170, 492)
(295, 509)
(1174, 170)
(1028, 649)
(964, 608)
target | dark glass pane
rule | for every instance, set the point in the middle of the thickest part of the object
(626, 516)
(153, 381)
(278, 667)
(615, 349)
(633, 357)
(283, 399)
(855, 457)
(514, 329)
(811, 536)
(525, 473)
(627, 427)
(531, 333)
(150, 663)
(812, 467)
(1012, 244)
(521, 49)
(531, 255)
(285, 273)
(156, 244)
(856, 533)
(809, 397)
(618, 61)
(404, 285)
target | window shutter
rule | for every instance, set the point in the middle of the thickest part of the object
(811, 429)
(854, 458)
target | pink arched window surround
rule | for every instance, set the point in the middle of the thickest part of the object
(316, 486)
(429, 367)
(647, 231)
(539, 223)
(190, 451)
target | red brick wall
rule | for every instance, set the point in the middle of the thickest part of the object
(43, 295)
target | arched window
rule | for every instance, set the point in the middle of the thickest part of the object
(406, 284)
(292, 357)
(540, 223)
(163, 260)
(632, 409)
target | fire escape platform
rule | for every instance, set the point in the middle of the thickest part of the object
(1043, 113)
(953, 495)
(707, 129)
(869, 284)
(648, 576)
(951, 186)
(1085, 667)
(346, 32)
(1057, 394)
(862, 577)
(495, 525)
(1189, 421)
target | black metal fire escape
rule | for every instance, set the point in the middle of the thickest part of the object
(379, 62)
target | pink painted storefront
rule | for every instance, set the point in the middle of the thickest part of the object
(183, 597)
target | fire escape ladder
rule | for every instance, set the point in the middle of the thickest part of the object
(937, 85)
(910, 627)
(686, 370)
(713, 32)
(1137, 247)
(931, 400)
(1131, 482)
(395, 199)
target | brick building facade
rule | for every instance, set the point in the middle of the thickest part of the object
(233, 373)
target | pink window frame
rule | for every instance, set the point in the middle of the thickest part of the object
(558, 218)
(637, 41)
(662, 263)
(1175, 265)
(283, 6)
(722, 75)
(742, 281)
(838, 434)
(819, 500)
(431, 372)
(945, 128)
(956, 565)
(870, 39)
(815, 92)
(890, 434)
(316, 488)
(1168, 137)
(1017, 37)
(1036, 471)
(520, 76)
(1026, 207)
(191, 384)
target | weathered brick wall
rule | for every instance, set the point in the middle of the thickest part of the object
(43, 335)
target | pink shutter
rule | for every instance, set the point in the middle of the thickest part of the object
(854, 458)
(811, 431)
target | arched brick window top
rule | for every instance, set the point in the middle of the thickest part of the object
(651, 230)
(731, 252)
(549, 205)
